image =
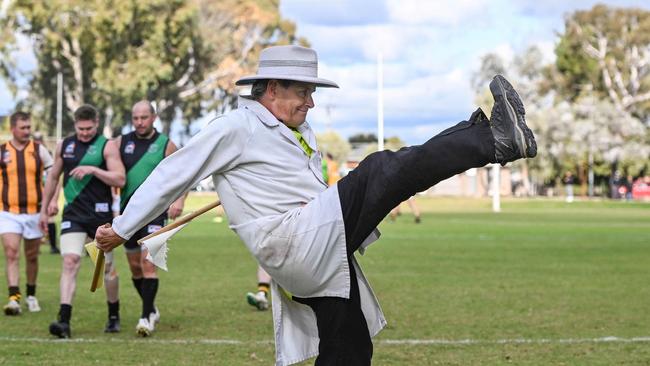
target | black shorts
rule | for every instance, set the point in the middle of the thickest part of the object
(132, 244)
(69, 226)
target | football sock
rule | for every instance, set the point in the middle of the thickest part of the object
(264, 287)
(31, 290)
(15, 292)
(65, 313)
(113, 309)
(51, 234)
(137, 283)
(149, 291)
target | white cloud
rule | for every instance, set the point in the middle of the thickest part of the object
(335, 12)
(437, 99)
(433, 12)
(505, 51)
(353, 44)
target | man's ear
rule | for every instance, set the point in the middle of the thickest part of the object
(272, 88)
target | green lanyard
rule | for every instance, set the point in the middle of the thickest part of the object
(303, 143)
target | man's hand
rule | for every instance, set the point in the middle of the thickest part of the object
(81, 171)
(53, 208)
(107, 239)
(175, 210)
(42, 222)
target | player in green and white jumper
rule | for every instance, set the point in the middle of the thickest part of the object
(90, 165)
(140, 151)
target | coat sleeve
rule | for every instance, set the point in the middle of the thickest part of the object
(214, 150)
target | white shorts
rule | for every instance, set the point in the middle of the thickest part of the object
(73, 243)
(23, 224)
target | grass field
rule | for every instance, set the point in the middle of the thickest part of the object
(541, 283)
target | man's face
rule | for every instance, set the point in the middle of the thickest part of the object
(86, 129)
(142, 120)
(22, 130)
(290, 105)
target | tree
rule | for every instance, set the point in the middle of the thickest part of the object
(361, 138)
(332, 143)
(604, 54)
(491, 64)
(182, 54)
(235, 31)
(607, 50)
(111, 54)
(593, 126)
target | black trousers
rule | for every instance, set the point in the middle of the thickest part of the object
(367, 194)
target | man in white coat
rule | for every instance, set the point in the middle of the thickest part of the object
(267, 170)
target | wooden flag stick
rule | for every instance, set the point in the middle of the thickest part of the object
(183, 220)
(99, 267)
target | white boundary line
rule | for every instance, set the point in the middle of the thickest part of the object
(464, 342)
(388, 342)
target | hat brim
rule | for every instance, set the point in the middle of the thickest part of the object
(323, 83)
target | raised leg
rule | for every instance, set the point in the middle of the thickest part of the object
(386, 178)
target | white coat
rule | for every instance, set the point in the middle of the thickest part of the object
(279, 205)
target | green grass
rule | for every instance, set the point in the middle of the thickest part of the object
(540, 270)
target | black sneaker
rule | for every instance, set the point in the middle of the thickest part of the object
(113, 325)
(513, 139)
(60, 329)
(54, 250)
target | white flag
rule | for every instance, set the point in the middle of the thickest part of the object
(157, 247)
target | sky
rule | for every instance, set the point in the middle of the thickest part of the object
(430, 49)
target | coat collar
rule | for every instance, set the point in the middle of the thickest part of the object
(260, 111)
(269, 119)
